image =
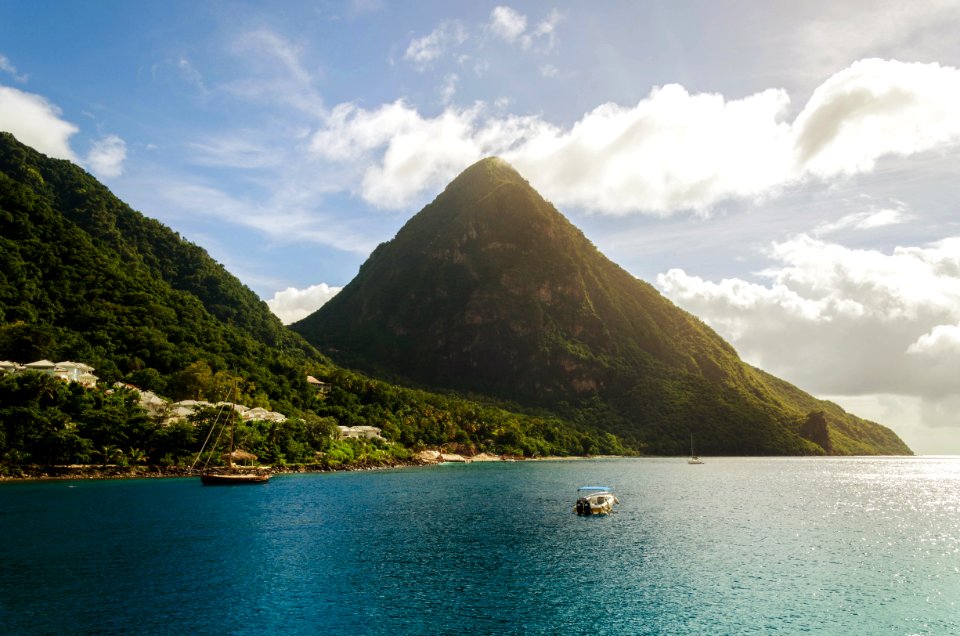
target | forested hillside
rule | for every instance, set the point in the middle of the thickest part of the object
(84, 277)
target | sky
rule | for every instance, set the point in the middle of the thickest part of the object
(786, 171)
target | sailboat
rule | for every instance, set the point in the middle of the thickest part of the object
(232, 474)
(694, 459)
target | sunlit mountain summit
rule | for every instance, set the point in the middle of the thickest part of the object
(490, 290)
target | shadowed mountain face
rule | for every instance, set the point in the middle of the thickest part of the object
(490, 290)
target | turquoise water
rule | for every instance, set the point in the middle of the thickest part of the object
(735, 546)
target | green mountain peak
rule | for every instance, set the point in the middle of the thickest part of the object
(489, 289)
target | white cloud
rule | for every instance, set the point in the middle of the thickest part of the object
(291, 304)
(672, 151)
(877, 333)
(867, 220)
(835, 320)
(511, 26)
(449, 88)
(545, 29)
(7, 67)
(36, 122)
(402, 153)
(941, 340)
(873, 109)
(422, 52)
(107, 155)
(507, 23)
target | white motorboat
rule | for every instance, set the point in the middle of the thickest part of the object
(595, 500)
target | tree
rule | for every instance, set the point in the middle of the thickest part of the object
(196, 382)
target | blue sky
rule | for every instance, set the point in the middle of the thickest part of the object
(787, 173)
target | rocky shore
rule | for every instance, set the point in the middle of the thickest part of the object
(98, 471)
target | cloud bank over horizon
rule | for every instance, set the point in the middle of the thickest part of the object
(845, 322)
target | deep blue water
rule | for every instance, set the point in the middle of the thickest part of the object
(735, 546)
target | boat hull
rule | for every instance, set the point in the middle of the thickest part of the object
(214, 479)
(592, 506)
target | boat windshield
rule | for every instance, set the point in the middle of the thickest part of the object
(593, 490)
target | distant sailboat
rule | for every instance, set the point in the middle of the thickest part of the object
(694, 459)
(232, 474)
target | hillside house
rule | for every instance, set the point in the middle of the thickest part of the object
(360, 432)
(9, 367)
(318, 385)
(66, 370)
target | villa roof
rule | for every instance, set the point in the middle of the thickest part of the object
(40, 364)
(75, 365)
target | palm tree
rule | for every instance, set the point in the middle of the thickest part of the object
(111, 454)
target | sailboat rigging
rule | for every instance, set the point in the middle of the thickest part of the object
(231, 474)
(694, 459)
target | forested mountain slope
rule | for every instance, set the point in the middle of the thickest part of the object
(84, 277)
(490, 289)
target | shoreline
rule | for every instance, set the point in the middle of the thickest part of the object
(74, 472)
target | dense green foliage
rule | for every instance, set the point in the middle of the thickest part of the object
(419, 419)
(490, 289)
(84, 277)
(45, 421)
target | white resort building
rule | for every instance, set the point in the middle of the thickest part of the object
(67, 370)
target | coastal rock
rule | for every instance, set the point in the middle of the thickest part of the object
(429, 456)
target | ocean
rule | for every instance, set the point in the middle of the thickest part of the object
(733, 546)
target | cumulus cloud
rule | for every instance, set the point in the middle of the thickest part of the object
(836, 320)
(404, 153)
(292, 304)
(107, 155)
(873, 109)
(507, 23)
(422, 52)
(672, 151)
(36, 122)
(941, 340)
